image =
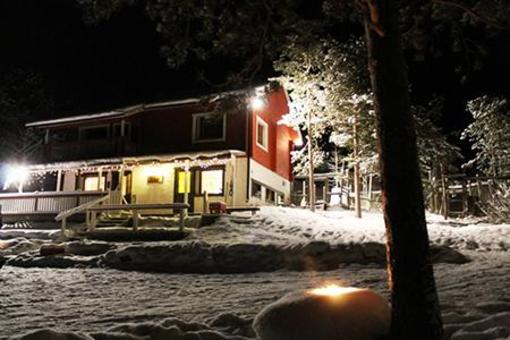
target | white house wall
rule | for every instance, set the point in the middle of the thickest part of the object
(268, 179)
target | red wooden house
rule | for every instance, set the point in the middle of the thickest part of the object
(172, 151)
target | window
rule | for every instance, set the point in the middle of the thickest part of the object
(211, 181)
(270, 196)
(90, 183)
(256, 190)
(262, 133)
(183, 182)
(94, 132)
(209, 127)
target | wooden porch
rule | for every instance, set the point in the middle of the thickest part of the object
(43, 206)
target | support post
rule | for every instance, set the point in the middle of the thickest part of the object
(205, 203)
(135, 219)
(182, 213)
(93, 218)
(187, 185)
(63, 227)
(59, 180)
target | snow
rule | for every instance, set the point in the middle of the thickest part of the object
(281, 224)
(474, 296)
(92, 300)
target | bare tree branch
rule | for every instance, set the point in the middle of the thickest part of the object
(471, 12)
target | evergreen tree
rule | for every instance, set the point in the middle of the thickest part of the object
(489, 134)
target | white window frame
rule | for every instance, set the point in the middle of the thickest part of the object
(265, 135)
(195, 128)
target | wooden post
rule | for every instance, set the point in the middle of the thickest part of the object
(93, 217)
(59, 180)
(181, 219)
(99, 176)
(234, 174)
(63, 227)
(135, 219)
(205, 203)
(187, 186)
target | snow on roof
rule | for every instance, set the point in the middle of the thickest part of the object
(131, 110)
(164, 158)
(118, 113)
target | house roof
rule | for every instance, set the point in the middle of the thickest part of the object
(115, 114)
(130, 110)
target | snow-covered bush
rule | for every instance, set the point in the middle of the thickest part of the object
(497, 208)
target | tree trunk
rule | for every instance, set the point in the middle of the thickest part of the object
(311, 182)
(357, 194)
(415, 305)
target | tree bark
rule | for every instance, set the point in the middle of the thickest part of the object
(357, 194)
(415, 305)
(311, 166)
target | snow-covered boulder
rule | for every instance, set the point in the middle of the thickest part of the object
(355, 314)
(179, 257)
(49, 334)
(18, 245)
(88, 248)
(52, 249)
(247, 258)
(315, 255)
(444, 254)
(57, 261)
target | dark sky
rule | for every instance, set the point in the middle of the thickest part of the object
(93, 68)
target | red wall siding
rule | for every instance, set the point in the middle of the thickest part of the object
(169, 130)
(280, 137)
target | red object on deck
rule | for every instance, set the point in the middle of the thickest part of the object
(218, 208)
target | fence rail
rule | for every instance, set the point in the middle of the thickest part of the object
(45, 202)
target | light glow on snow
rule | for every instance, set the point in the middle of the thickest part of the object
(332, 290)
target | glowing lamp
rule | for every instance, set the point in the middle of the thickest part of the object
(258, 103)
(332, 290)
(17, 175)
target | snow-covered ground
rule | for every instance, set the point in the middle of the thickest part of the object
(95, 299)
(474, 296)
(279, 224)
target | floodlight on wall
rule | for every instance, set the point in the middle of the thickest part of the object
(257, 103)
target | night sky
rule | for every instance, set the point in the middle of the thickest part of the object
(91, 68)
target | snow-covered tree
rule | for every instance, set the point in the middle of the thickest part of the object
(327, 84)
(489, 134)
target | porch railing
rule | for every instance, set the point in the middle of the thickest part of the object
(49, 202)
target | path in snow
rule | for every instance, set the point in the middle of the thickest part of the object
(95, 299)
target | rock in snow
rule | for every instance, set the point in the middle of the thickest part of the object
(358, 314)
(200, 257)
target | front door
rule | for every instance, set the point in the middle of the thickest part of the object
(184, 181)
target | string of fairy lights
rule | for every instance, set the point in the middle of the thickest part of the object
(37, 174)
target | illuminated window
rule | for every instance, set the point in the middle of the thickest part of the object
(183, 182)
(209, 127)
(91, 183)
(212, 182)
(262, 133)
